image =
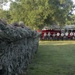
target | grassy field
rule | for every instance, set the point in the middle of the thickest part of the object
(54, 58)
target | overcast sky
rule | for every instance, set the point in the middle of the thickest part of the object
(73, 1)
(6, 7)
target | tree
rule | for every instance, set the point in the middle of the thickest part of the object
(61, 11)
(37, 13)
(5, 15)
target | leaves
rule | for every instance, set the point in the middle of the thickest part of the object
(37, 13)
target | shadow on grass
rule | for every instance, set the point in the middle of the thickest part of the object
(53, 60)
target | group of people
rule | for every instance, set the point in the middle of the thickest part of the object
(59, 36)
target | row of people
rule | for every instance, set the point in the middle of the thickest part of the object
(58, 35)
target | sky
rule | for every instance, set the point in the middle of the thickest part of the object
(6, 7)
(73, 1)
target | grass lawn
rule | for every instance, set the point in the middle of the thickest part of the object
(54, 58)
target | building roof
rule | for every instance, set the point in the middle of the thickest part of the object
(51, 27)
(69, 27)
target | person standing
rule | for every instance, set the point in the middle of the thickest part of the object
(45, 36)
(58, 36)
(62, 36)
(71, 35)
(49, 34)
(66, 35)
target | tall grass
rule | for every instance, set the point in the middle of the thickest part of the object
(54, 58)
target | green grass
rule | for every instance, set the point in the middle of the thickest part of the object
(54, 58)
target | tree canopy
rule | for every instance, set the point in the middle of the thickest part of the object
(37, 13)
